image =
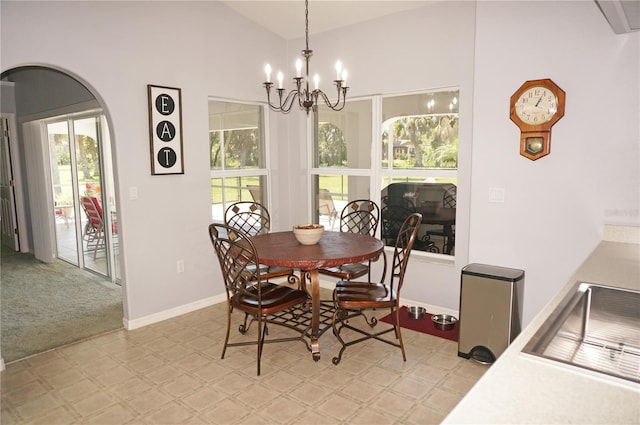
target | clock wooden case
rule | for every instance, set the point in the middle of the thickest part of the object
(535, 107)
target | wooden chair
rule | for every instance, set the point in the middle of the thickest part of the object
(247, 292)
(352, 298)
(253, 218)
(359, 216)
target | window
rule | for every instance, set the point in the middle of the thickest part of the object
(414, 146)
(237, 155)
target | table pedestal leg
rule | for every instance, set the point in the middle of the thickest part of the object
(315, 313)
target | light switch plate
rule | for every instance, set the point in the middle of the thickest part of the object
(496, 194)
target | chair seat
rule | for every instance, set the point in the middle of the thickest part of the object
(274, 298)
(346, 271)
(355, 295)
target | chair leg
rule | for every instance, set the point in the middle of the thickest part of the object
(261, 334)
(226, 339)
(398, 334)
(336, 332)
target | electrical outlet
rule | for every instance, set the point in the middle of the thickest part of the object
(180, 266)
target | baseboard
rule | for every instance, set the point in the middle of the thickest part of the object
(173, 312)
(207, 302)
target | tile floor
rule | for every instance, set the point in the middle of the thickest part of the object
(171, 373)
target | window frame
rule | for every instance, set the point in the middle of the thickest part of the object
(263, 172)
(377, 173)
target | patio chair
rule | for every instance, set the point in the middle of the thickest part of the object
(247, 292)
(449, 200)
(326, 207)
(93, 232)
(352, 298)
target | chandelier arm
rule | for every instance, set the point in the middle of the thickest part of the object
(284, 104)
(307, 99)
(340, 101)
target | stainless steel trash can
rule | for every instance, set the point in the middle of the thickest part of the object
(490, 310)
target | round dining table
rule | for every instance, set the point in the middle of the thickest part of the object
(333, 249)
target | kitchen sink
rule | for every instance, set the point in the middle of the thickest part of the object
(595, 327)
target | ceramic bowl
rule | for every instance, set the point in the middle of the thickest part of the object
(308, 234)
(444, 322)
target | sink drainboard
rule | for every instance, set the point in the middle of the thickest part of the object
(595, 327)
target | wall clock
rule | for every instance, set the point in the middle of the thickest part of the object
(535, 107)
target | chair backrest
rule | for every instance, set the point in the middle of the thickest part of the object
(325, 203)
(251, 218)
(393, 217)
(238, 259)
(360, 216)
(93, 210)
(404, 242)
(256, 193)
(449, 199)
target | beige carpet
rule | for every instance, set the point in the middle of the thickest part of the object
(44, 306)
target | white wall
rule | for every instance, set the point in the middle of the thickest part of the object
(118, 48)
(555, 207)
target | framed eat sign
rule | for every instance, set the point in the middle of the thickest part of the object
(165, 130)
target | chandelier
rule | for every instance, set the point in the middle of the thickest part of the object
(307, 99)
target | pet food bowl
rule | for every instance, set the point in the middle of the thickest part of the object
(416, 312)
(308, 234)
(444, 322)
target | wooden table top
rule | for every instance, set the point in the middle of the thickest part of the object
(333, 249)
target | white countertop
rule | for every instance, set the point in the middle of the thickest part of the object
(521, 388)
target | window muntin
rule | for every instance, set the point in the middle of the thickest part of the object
(237, 155)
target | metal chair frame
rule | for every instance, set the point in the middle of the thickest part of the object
(359, 216)
(353, 298)
(247, 292)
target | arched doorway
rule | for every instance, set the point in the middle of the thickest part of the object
(59, 157)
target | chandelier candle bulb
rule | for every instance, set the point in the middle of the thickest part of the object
(298, 68)
(345, 74)
(306, 98)
(267, 71)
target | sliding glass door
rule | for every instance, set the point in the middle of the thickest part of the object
(84, 209)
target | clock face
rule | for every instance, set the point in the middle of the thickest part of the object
(536, 106)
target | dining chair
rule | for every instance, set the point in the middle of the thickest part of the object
(449, 200)
(359, 216)
(247, 292)
(352, 299)
(253, 219)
